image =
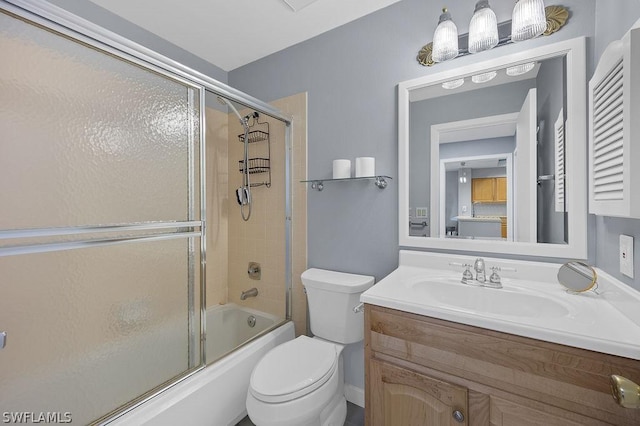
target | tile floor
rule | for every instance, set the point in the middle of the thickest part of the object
(355, 417)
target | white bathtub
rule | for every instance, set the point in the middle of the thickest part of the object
(228, 327)
(216, 395)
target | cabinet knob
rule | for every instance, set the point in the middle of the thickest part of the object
(625, 392)
(458, 416)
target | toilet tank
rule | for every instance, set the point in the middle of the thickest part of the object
(331, 297)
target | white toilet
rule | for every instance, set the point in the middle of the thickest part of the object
(301, 382)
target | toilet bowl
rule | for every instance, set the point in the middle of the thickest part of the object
(301, 382)
(298, 383)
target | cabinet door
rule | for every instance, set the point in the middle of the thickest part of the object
(507, 413)
(482, 190)
(401, 397)
(501, 189)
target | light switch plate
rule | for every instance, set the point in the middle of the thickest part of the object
(421, 212)
(626, 255)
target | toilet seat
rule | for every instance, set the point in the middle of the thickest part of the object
(293, 369)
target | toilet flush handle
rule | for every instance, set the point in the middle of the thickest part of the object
(358, 308)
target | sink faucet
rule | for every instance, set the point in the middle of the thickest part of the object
(494, 281)
(481, 277)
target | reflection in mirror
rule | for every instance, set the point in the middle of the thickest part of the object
(474, 131)
(485, 160)
(577, 276)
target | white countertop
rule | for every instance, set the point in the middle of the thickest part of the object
(531, 304)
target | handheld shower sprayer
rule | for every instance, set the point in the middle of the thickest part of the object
(243, 194)
(243, 120)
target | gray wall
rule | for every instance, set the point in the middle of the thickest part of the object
(551, 98)
(451, 197)
(502, 145)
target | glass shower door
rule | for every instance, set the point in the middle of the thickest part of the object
(100, 227)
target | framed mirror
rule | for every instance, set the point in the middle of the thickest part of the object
(492, 155)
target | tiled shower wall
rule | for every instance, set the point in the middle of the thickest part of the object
(262, 238)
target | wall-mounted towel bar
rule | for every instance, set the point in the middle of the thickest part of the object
(418, 224)
(544, 178)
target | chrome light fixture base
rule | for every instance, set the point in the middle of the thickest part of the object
(557, 17)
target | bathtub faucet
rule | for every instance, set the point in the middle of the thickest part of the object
(252, 292)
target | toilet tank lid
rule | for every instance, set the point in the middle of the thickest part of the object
(340, 282)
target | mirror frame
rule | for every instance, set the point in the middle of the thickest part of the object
(575, 161)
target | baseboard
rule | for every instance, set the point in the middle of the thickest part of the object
(354, 395)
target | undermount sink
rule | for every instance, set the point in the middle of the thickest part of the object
(450, 293)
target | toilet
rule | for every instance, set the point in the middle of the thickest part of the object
(301, 382)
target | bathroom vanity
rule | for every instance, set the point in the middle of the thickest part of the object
(439, 352)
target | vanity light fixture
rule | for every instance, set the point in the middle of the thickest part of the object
(453, 84)
(520, 69)
(445, 38)
(484, 77)
(527, 23)
(528, 20)
(483, 29)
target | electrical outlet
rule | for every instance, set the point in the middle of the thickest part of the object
(421, 212)
(626, 255)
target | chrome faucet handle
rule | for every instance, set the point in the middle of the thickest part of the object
(467, 275)
(494, 279)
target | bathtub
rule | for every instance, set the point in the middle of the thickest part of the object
(216, 394)
(230, 325)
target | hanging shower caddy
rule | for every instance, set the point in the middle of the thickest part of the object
(258, 134)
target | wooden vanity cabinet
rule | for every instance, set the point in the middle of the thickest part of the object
(425, 371)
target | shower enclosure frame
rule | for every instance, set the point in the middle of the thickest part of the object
(60, 21)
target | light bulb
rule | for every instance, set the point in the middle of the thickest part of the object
(528, 20)
(520, 69)
(484, 77)
(445, 39)
(483, 29)
(453, 84)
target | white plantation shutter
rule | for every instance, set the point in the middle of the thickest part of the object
(614, 130)
(608, 136)
(559, 160)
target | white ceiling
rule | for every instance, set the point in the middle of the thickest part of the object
(232, 33)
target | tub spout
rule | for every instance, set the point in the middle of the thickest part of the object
(252, 292)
